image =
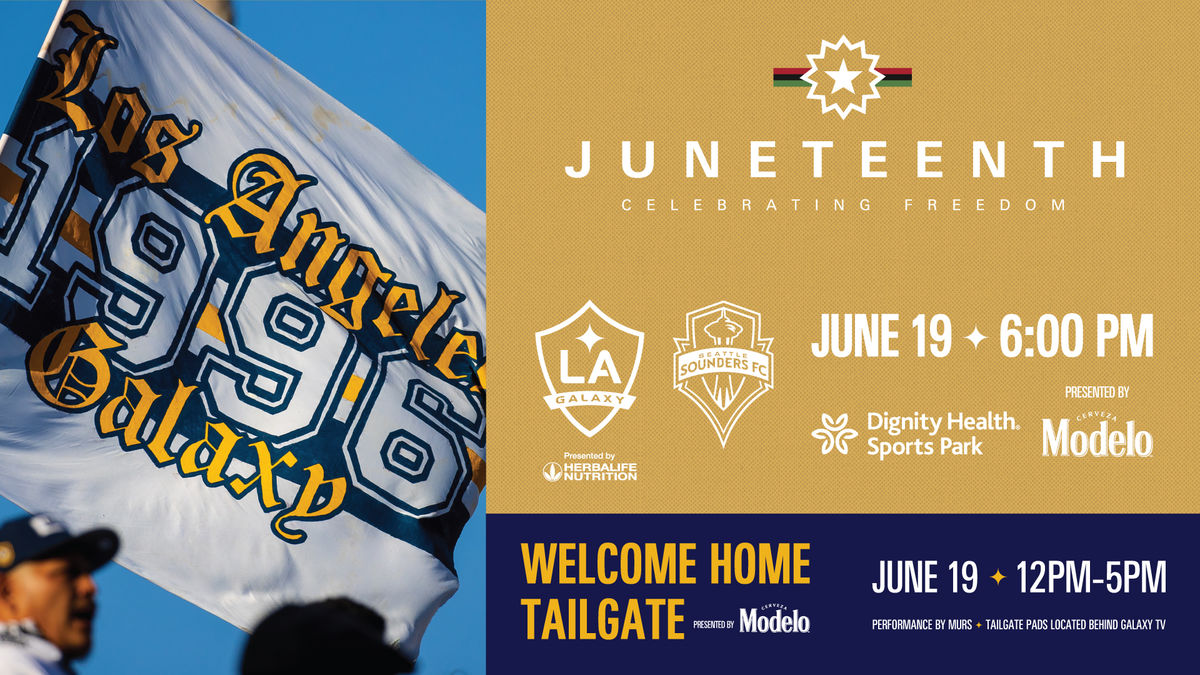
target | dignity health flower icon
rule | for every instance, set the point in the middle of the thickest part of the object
(835, 434)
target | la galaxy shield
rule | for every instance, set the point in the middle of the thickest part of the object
(723, 364)
(589, 362)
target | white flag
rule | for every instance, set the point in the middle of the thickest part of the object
(238, 324)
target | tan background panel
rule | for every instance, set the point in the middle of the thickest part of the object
(560, 73)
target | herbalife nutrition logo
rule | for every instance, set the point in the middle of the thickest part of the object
(843, 77)
(590, 467)
(552, 472)
(724, 364)
(589, 362)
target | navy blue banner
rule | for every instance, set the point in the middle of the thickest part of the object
(751, 593)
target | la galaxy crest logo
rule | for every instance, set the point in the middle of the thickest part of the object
(843, 77)
(589, 362)
(724, 364)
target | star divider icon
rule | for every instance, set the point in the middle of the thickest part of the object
(843, 77)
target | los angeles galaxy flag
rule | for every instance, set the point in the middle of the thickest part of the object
(237, 323)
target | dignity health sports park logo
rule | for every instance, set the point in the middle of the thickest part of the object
(723, 363)
(834, 434)
(589, 362)
(843, 77)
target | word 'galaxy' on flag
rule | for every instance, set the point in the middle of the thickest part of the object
(238, 324)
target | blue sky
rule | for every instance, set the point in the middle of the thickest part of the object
(416, 71)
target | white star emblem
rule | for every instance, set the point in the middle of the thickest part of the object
(589, 337)
(976, 337)
(842, 78)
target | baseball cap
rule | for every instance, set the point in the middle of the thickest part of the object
(38, 536)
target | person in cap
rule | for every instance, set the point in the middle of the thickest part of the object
(336, 635)
(47, 595)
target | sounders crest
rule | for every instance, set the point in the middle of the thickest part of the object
(724, 364)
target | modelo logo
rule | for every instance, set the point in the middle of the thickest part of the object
(753, 622)
(1062, 441)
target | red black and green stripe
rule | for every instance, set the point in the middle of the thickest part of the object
(892, 77)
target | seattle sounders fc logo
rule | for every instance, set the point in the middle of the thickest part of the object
(843, 77)
(723, 364)
(589, 362)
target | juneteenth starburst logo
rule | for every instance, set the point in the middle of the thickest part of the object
(843, 77)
